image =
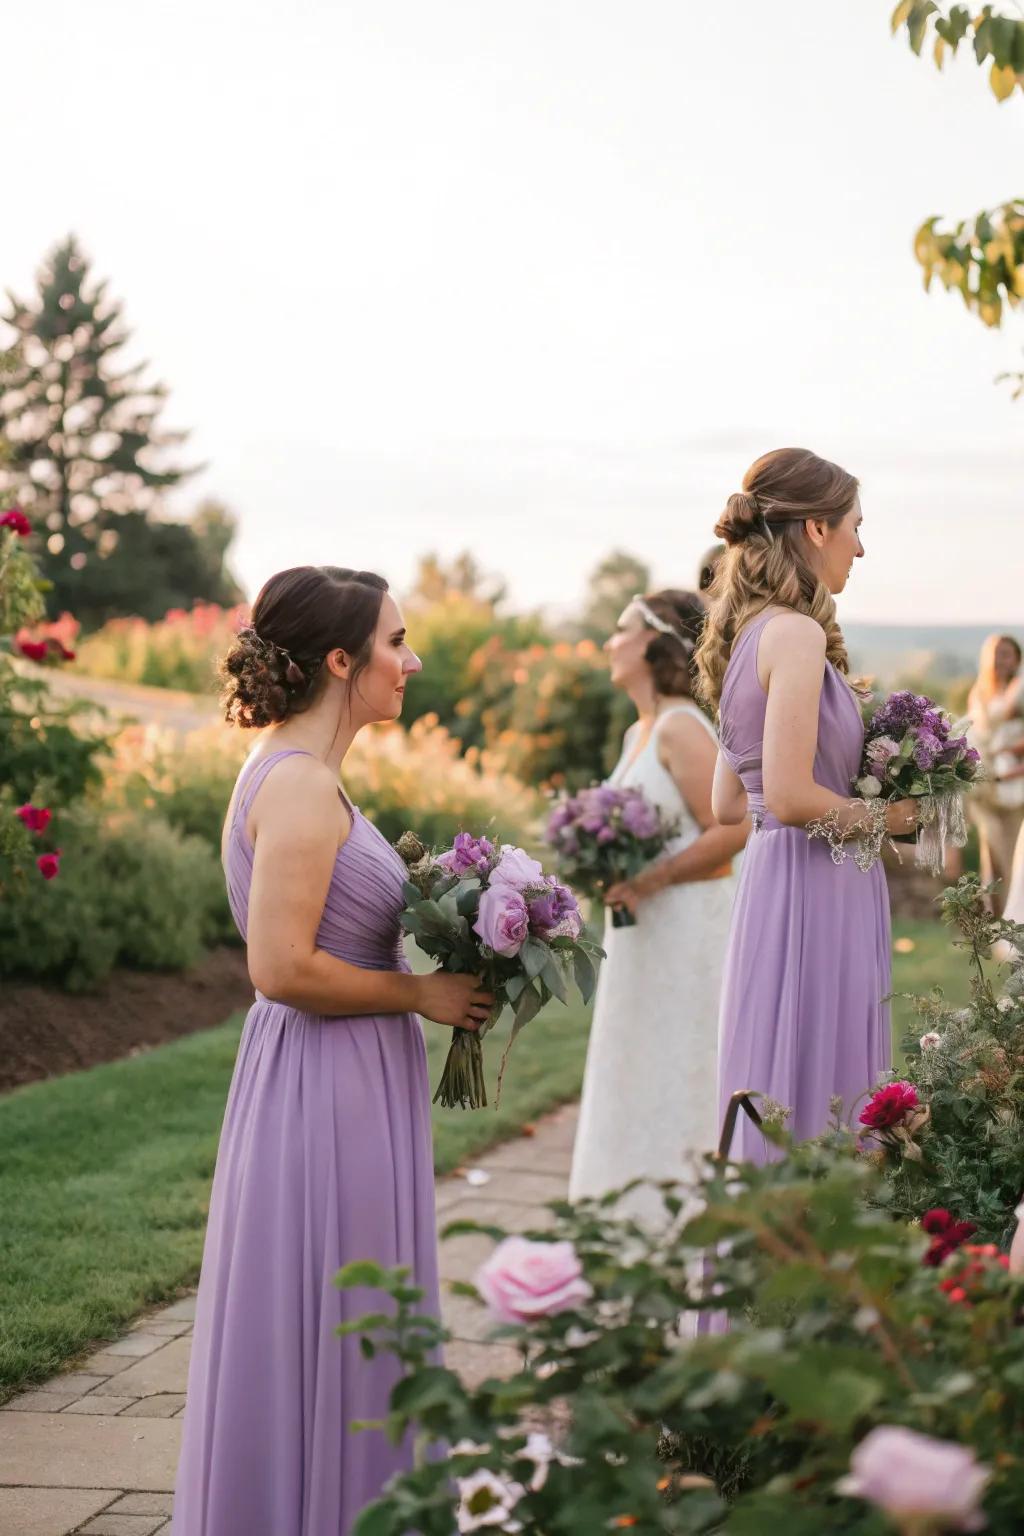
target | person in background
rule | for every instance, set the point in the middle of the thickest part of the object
(708, 567)
(649, 1086)
(996, 708)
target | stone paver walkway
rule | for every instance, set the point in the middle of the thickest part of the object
(94, 1450)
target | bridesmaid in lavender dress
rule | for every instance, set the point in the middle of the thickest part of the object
(325, 1154)
(808, 964)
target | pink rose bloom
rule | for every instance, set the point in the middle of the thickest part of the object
(503, 921)
(523, 1280)
(882, 750)
(912, 1476)
(517, 869)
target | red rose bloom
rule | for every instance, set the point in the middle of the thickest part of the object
(946, 1235)
(48, 864)
(34, 817)
(16, 520)
(34, 650)
(889, 1105)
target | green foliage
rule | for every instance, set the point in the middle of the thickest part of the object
(41, 744)
(134, 893)
(991, 34)
(448, 635)
(980, 258)
(969, 1155)
(836, 1328)
(90, 461)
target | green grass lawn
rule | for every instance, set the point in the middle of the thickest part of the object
(104, 1175)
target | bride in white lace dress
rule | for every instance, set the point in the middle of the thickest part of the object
(650, 1086)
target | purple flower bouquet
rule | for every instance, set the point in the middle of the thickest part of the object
(602, 835)
(912, 748)
(484, 909)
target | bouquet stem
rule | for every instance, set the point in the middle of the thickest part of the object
(622, 917)
(462, 1084)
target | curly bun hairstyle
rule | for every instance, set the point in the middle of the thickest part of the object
(766, 562)
(273, 669)
(670, 656)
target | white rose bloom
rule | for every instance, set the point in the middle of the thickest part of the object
(869, 786)
(486, 1502)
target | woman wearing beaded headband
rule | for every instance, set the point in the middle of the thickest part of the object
(647, 1093)
(803, 1011)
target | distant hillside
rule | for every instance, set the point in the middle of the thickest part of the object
(895, 651)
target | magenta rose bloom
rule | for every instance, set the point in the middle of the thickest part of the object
(889, 1105)
(48, 865)
(516, 869)
(17, 522)
(34, 818)
(523, 1280)
(503, 921)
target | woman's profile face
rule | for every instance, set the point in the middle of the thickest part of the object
(841, 547)
(627, 648)
(1006, 661)
(380, 688)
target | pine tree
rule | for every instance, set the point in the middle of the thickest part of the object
(90, 461)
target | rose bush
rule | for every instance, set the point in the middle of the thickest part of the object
(842, 1342)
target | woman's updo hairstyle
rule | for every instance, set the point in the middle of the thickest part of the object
(766, 561)
(274, 668)
(670, 652)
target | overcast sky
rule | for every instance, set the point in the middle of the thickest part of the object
(538, 278)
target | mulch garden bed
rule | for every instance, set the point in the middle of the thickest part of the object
(44, 1033)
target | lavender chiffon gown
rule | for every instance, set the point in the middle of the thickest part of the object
(325, 1157)
(809, 955)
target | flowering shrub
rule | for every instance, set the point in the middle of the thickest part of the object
(415, 779)
(178, 651)
(419, 780)
(49, 642)
(843, 1346)
(447, 634)
(549, 713)
(962, 1147)
(41, 756)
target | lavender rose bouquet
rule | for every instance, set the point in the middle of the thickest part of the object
(487, 909)
(603, 835)
(912, 748)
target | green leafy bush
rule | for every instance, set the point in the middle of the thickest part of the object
(131, 892)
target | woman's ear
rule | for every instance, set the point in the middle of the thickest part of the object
(816, 530)
(338, 664)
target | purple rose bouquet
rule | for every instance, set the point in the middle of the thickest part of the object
(602, 835)
(487, 909)
(912, 748)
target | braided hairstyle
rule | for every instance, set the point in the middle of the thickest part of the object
(274, 668)
(765, 562)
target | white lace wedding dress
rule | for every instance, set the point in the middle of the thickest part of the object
(650, 1088)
